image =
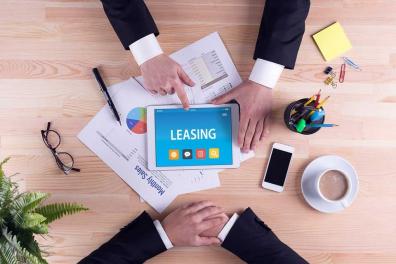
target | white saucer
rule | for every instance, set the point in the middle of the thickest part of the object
(318, 166)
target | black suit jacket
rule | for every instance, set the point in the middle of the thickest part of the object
(254, 242)
(249, 238)
(281, 30)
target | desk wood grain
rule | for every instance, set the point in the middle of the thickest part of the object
(47, 49)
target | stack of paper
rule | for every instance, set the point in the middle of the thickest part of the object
(123, 148)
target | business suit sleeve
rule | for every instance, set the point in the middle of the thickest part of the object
(254, 242)
(130, 19)
(135, 243)
(281, 31)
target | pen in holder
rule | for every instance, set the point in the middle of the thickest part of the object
(304, 116)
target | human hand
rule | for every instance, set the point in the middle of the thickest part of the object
(185, 225)
(163, 75)
(214, 231)
(255, 102)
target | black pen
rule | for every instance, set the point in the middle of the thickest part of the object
(106, 94)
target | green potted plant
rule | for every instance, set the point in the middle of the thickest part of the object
(22, 215)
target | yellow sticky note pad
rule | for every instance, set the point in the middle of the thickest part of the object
(332, 41)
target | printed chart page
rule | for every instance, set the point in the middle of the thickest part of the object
(208, 63)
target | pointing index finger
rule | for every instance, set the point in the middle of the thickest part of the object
(181, 93)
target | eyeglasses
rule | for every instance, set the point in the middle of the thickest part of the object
(52, 140)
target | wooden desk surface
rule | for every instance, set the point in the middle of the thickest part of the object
(47, 50)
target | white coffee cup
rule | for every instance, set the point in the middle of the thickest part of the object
(343, 200)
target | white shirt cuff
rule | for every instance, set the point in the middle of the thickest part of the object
(145, 48)
(163, 235)
(227, 227)
(266, 73)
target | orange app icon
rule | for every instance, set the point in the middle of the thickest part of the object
(200, 153)
(214, 153)
(173, 154)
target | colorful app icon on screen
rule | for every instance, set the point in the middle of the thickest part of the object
(214, 153)
(187, 153)
(200, 153)
(173, 154)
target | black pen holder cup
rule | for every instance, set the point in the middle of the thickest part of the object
(295, 108)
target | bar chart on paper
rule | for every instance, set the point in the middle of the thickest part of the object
(209, 71)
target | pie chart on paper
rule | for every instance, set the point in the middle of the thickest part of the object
(136, 120)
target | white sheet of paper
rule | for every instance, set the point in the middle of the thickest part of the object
(210, 66)
(208, 63)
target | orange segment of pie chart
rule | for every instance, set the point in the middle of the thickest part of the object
(139, 128)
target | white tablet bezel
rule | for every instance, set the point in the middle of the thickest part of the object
(151, 154)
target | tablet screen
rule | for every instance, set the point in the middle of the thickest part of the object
(199, 136)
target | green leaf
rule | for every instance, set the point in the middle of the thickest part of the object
(35, 222)
(7, 192)
(22, 255)
(21, 216)
(7, 253)
(32, 219)
(25, 203)
(29, 201)
(3, 162)
(40, 229)
(27, 241)
(55, 211)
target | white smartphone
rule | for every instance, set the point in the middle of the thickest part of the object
(277, 167)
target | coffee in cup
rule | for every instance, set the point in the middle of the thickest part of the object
(333, 185)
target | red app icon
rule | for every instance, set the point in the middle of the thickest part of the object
(200, 153)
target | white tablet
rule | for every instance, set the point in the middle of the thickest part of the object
(203, 137)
